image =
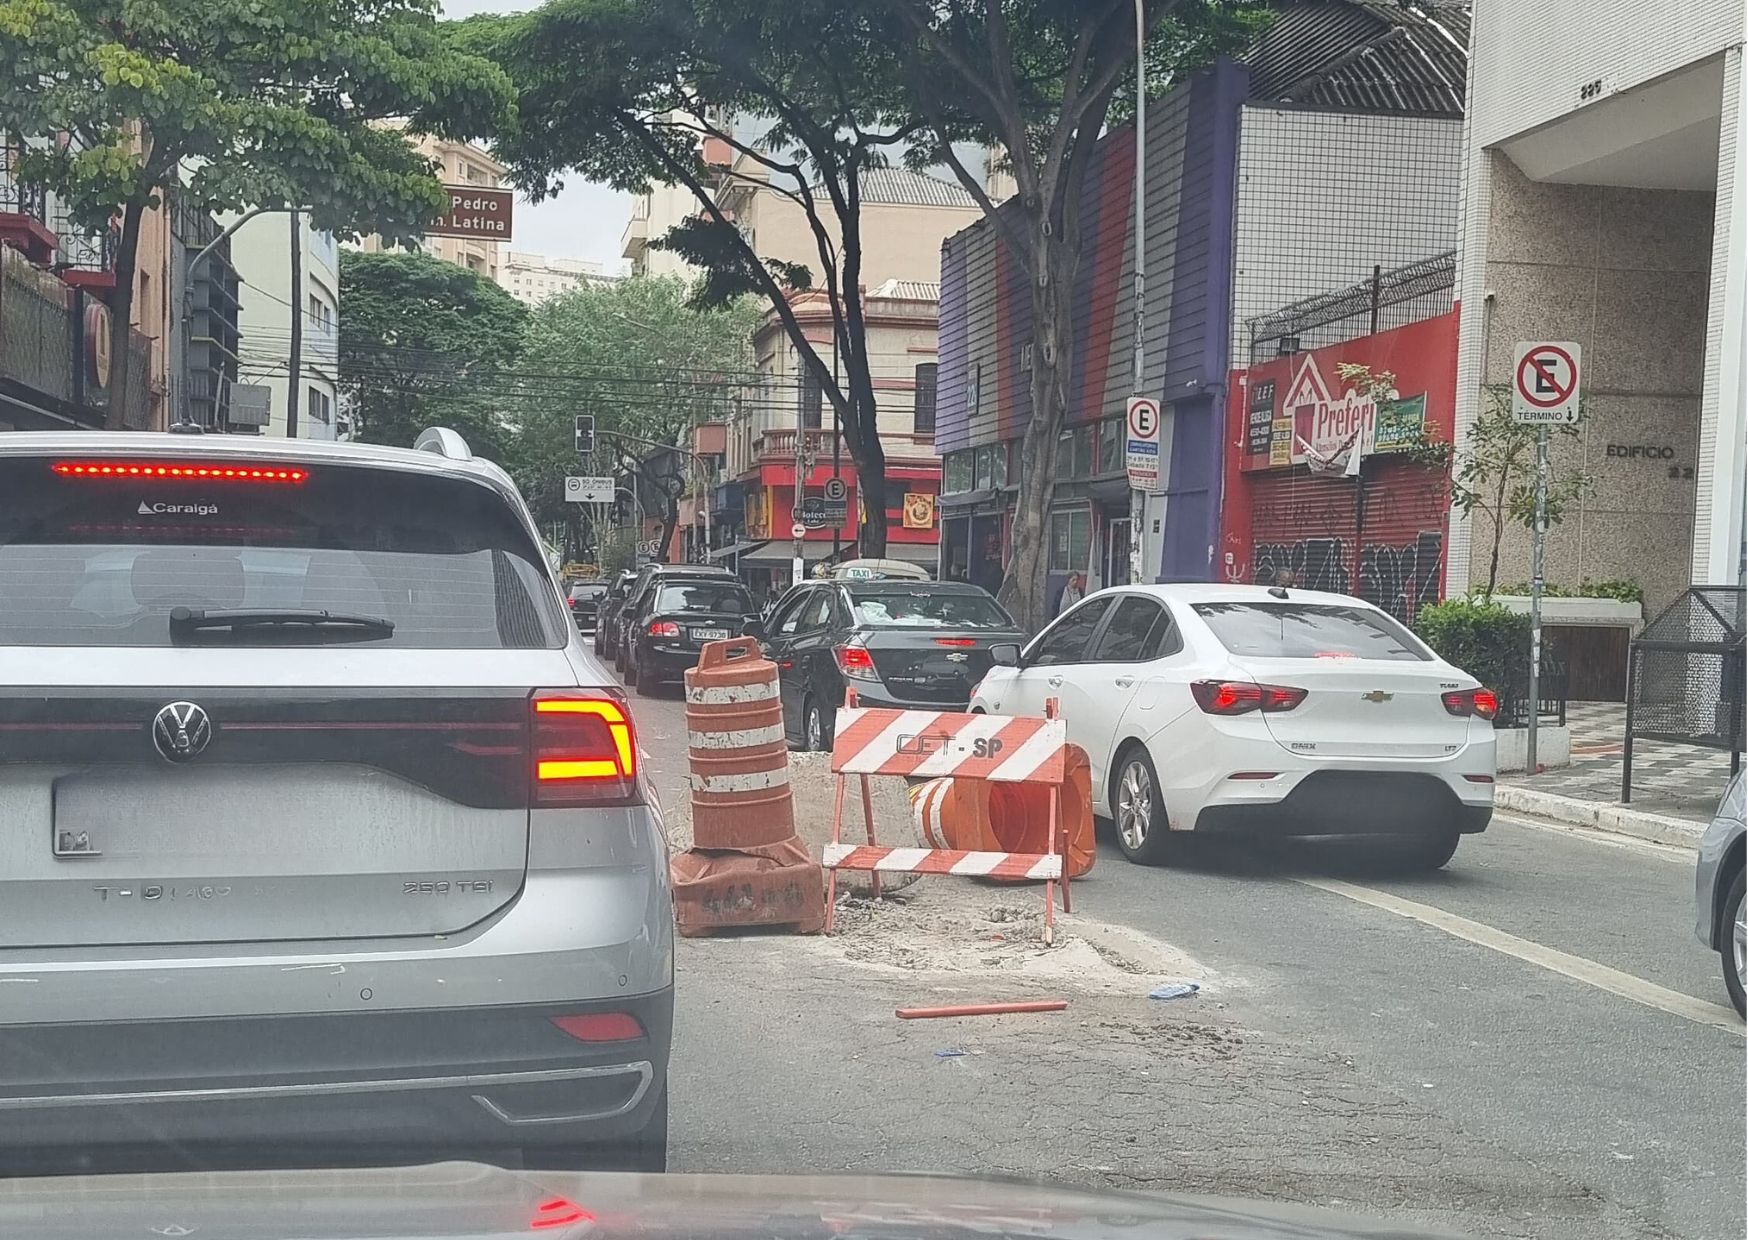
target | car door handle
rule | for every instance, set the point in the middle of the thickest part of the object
(1123, 682)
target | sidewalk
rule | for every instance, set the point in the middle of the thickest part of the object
(1676, 788)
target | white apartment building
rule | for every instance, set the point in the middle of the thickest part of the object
(261, 253)
(532, 278)
(1606, 203)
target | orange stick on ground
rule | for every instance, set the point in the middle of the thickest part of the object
(982, 1009)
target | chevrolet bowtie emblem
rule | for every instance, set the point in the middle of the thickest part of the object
(1376, 695)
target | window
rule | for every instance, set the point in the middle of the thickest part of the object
(445, 559)
(727, 598)
(788, 614)
(1289, 630)
(1134, 633)
(321, 406)
(1070, 540)
(957, 471)
(1111, 451)
(1074, 454)
(818, 610)
(1066, 641)
(974, 389)
(990, 471)
(924, 423)
(812, 400)
(928, 606)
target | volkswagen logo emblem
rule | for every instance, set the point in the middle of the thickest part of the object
(181, 731)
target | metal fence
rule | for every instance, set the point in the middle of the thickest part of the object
(1392, 298)
(1685, 677)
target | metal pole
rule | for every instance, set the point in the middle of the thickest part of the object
(1138, 362)
(797, 566)
(294, 385)
(1538, 552)
(837, 452)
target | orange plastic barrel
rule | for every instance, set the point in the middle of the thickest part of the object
(739, 757)
(983, 816)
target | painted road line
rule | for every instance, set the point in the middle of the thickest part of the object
(1575, 967)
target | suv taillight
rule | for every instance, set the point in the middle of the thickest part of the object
(585, 749)
(1238, 697)
(1481, 703)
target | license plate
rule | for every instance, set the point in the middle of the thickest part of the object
(709, 635)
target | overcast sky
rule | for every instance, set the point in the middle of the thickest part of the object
(586, 220)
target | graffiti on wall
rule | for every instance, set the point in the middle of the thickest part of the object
(1400, 579)
(1403, 579)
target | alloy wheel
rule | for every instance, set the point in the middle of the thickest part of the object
(815, 730)
(1739, 942)
(1134, 806)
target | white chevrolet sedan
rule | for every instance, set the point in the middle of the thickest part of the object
(1261, 711)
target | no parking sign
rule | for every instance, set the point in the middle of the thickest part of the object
(1544, 383)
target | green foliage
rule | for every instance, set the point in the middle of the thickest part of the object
(422, 342)
(1495, 473)
(1381, 387)
(647, 365)
(1486, 640)
(1619, 590)
(729, 270)
(253, 102)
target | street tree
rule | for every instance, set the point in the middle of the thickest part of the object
(639, 92)
(236, 104)
(649, 366)
(1040, 80)
(424, 342)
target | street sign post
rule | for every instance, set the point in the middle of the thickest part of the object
(1544, 392)
(588, 490)
(1141, 457)
(836, 491)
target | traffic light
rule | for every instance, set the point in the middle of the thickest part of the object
(585, 433)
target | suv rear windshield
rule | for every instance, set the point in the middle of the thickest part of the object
(101, 561)
(928, 606)
(1310, 631)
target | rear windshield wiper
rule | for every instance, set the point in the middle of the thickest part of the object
(237, 619)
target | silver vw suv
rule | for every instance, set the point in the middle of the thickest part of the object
(321, 836)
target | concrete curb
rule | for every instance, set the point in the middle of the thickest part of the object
(1599, 816)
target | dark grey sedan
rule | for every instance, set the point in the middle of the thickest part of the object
(1718, 888)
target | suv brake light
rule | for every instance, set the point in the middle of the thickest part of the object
(1481, 703)
(585, 749)
(182, 471)
(1238, 697)
(663, 628)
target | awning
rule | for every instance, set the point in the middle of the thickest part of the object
(778, 553)
(739, 548)
(926, 554)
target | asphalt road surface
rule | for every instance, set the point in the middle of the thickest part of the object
(1528, 1043)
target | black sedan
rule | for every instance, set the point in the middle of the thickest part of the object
(607, 612)
(585, 600)
(679, 617)
(914, 645)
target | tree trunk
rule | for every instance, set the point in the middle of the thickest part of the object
(1023, 590)
(1498, 530)
(121, 313)
(863, 425)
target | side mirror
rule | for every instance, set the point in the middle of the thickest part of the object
(1005, 654)
(754, 627)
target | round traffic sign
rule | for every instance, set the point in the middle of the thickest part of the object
(835, 489)
(1143, 418)
(798, 530)
(1547, 376)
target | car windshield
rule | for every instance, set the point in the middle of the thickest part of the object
(923, 606)
(1289, 630)
(726, 598)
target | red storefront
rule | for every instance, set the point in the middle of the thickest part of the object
(1376, 526)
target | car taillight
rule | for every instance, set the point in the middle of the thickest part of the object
(856, 663)
(1238, 697)
(183, 471)
(600, 1026)
(1481, 703)
(663, 628)
(558, 1212)
(960, 642)
(585, 749)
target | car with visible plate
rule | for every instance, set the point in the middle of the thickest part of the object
(1262, 712)
(913, 645)
(321, 835)
(680, 617)
(637, 596)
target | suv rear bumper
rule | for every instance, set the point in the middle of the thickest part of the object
(259, 1089)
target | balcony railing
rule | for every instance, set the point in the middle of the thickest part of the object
(779, 444)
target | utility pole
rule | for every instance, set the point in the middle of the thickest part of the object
(294, 383)
(1138, 361)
